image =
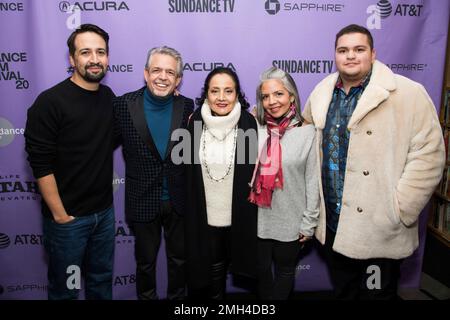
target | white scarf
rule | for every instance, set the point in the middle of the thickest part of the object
(220, 126)
(219, 139)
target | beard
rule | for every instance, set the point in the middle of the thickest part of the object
(93, 77)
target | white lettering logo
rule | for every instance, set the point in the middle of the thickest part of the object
(74, 280)
(374, 280)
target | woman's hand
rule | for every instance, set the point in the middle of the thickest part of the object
(302, 238)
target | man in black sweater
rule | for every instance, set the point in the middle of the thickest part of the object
(69, 141)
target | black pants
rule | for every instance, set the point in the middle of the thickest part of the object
(220, 253)
(284, 256)
(353, 279)
(147, 242)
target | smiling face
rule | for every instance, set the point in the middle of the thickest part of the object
(276, 100)
(354, 58)
(161, 75)
(222, 95)
(90, 59)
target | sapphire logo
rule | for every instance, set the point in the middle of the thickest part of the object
(272, 6)
(384, 8)
(4, 241)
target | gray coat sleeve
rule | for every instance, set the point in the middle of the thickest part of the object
(311, 213)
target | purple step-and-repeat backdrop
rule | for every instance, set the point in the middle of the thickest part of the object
(246, 35)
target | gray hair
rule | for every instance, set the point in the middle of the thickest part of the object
(168, 51)
(288, 83)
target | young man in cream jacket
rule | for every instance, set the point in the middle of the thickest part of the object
(381, 155)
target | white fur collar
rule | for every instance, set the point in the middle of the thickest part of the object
(221, 126)
(382, 81)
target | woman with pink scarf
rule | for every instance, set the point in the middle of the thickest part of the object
(285, 183)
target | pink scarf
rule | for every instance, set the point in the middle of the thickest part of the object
(268, 173)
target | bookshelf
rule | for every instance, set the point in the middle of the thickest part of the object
(439, 218)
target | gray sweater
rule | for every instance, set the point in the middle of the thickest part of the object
(295, 208)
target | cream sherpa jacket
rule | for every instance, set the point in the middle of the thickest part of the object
(395, 160)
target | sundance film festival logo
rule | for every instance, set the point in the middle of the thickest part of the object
(117, 181)
(201, 6)
(272, 7)
(11, 6)
(115, 68)
(383, 9)
(8, 132)
(8, 72)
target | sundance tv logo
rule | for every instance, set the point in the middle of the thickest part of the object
(201, 6)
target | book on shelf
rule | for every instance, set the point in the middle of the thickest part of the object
(446, 221)
(446, 142)
(447, 184)
(446, 106)
(443, 187)
(438, 211)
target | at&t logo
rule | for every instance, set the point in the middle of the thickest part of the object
(383, 9)
(4, 241)
(272, 6)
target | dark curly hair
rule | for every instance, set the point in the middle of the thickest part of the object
(220, 70)
(87, 27)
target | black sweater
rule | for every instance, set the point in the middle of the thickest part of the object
(69, 133)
